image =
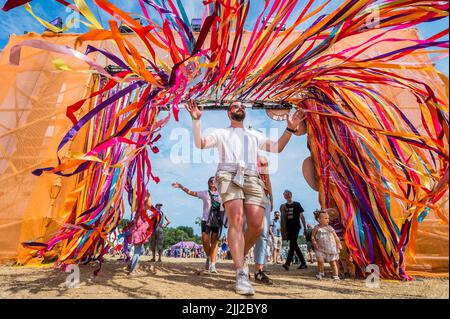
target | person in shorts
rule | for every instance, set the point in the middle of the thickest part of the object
(157, 237)
(238, 181)
(212, 220)
(275, 234)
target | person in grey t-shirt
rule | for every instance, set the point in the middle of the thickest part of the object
(211, 227)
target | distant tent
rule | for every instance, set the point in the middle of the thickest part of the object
(185, 244)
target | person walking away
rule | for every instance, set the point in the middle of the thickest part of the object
(139, 234)
(157, 238)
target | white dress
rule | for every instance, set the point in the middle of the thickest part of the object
(327, 246)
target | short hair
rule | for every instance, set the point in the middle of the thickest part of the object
(287, 191)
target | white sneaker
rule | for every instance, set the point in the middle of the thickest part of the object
(243, 285)
(336, 278)
(320, 275)
(212, 268)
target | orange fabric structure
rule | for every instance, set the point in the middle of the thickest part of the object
(428, 250)
(33, 98)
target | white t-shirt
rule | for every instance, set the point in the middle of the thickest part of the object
(237, 145)
(204, 196)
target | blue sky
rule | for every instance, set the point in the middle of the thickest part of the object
(183, 209)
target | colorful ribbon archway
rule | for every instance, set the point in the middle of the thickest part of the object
(379, 169)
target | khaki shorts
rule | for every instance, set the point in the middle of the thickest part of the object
(252, 192)
(278, 243)
(157, 240)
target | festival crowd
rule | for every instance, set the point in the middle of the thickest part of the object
(239, 197)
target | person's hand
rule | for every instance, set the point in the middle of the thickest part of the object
(340, 246)
(176, 185)
(295, 120)
(194, 110)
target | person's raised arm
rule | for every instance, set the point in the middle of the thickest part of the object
(184, 189)
(292, 127)
(196, 113)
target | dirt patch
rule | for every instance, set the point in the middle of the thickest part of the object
(180, 278)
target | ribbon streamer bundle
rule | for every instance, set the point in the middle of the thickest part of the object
(381, 173)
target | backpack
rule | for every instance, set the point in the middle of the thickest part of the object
(215, 214)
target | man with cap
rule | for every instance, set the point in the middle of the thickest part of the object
(157, 238)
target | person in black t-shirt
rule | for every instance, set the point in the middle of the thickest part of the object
(292, 213)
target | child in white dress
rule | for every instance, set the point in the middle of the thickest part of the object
(326, 244)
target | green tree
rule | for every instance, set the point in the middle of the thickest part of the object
(188, 230)
(180, 233)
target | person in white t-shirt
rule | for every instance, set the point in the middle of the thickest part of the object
(211, 225)
(238, 180)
